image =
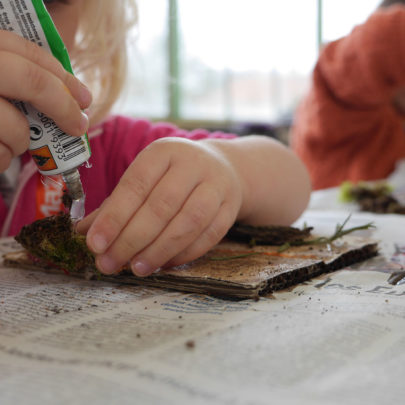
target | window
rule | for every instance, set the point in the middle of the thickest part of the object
(244, 60)
(146, 92)
(230, 60)
(339, 17)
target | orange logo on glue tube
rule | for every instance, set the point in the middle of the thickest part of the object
(49, 196)
(43, 158)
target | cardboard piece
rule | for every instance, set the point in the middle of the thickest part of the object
(258, 270)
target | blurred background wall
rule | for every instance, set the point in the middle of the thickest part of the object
(234, 65)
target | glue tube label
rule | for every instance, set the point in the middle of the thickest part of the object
(53, 150)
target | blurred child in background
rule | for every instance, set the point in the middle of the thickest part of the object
(350, 126)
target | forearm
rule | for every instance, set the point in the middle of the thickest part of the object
(275, 184)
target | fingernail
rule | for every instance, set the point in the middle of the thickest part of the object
(141, 269)
(84, 123)
(85, 95)
(106, 264)
(98, 243)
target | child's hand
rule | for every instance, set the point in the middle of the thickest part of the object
(176, 200)
(29, 73)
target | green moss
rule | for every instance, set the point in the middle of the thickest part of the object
(345, 194)
(349, 191)
(54, 240)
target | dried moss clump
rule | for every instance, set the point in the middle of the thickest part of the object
(372, 197)
(54, 240)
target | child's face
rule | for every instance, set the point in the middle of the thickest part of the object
(65, 15)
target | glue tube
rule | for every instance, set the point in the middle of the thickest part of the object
(54, 151)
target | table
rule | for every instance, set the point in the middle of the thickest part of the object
(336, 339)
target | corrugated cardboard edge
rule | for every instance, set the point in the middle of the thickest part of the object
(211, 285)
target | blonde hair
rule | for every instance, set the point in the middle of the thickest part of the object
(99, 56)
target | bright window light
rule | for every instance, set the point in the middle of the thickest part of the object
(245, 60)
(146, 91)
(340, 17)
(238, 60)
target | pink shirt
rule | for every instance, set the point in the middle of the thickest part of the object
(114, 145)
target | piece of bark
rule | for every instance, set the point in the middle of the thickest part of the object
(267, 235)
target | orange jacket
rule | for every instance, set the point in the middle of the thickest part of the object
(347, 127)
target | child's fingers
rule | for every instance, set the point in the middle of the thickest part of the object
(14, 130)
(196, 215)
(78, 90)
(5, 157)
(212, 235)
(168, 239)
(129, 194)
(147, 223)
(14, 44)
(84, 225)
(29, 82)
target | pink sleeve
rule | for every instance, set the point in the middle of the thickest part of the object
(123, 138)
(163, 130)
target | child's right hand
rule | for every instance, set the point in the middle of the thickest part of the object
(31, 74)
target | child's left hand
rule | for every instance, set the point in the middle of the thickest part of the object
(174, 202)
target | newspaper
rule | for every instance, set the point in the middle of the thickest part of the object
(337, 338)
